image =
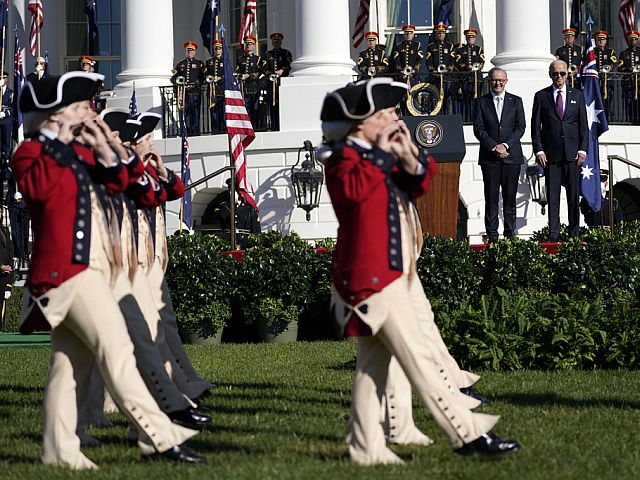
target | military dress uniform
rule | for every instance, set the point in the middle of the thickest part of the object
(277, 59)
(70, 279)
(469, 59)
(628, 62)
(372, 61)
(214, 67)
(406, 55)
(254, 66)
(191, 70)
(441, 56)
(6, 124)
(571, 54)
(375, 285)
(606, 59)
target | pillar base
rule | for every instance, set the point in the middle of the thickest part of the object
(301, 100)
(321, 66)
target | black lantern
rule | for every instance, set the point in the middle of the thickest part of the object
(537, 185)
(307, 179)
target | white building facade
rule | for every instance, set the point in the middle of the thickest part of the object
(141, 40)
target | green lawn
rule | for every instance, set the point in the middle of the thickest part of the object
(281, 410)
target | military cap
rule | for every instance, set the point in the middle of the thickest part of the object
(249, 39)
(276, 36)
(190, 45)
(471, 32)
(216, 43)
(601, 34)
(440, 28)
(408, 28)
(358, 101)
(59, 91)
(371, 35)
(85, 59)
(569, 31)
(632, 34)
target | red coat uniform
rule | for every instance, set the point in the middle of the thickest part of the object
(54, 179)
(364, 186)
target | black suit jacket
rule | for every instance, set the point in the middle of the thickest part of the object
(492, 132)
(560, 140)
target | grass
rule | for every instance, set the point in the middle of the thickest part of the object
(281, 410)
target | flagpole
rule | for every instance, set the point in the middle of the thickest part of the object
(4, 35)
(255, 23)
(232, 200)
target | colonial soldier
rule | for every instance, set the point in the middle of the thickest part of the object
(251, 67)
(214, 76)
(571, 53)
(278, 65)
(188, 76)
(606, 61)
(440, 61)
(470, 59)
(373, 172)
(73, 265)
(372, 60)
(40, 70)
(630, 64)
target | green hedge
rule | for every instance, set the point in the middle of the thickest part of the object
(508, 306)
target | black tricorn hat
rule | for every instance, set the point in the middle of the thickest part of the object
(148, 122)
(118, 120)
(358, 101)
(55, 92)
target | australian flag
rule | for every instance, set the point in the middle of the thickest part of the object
(576, 8)
(444, 12)
(186, 178)
(597, 122)
(92, 19)
(206, 25)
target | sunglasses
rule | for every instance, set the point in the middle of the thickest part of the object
(557, 74)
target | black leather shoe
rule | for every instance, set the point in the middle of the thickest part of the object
(190, 418)
(179, 453)
(489, 444)
(473, 393)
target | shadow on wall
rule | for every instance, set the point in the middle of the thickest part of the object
(276, 201)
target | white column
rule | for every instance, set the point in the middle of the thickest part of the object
(147, 43)
(322, 38)
(517, 50)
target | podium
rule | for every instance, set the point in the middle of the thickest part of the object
(443, 138)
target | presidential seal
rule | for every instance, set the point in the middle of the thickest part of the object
(429, 133)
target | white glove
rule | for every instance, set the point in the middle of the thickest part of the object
(2, 114)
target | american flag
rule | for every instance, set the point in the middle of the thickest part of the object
(248, 20)
(186, 178)
(239, 127)
(18, 80)
(37, 22)
(133, 105)
(597, 122)
(361, 21)
(4, 20)
(626, 15)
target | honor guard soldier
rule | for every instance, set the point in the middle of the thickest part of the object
(470, 59)
(188, 76)
(372, 60)
(86, 63)
(5, 128)
(630, 64)
(606, 61)
(278, 65)
(571, 53)
(440, 60)
(38, 73)
(214, 76)
(251, 67)
(406, 56)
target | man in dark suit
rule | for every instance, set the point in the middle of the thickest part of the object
(560, 137)
(499, 123)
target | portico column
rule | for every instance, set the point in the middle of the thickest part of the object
(322, 38)
(147, 43)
